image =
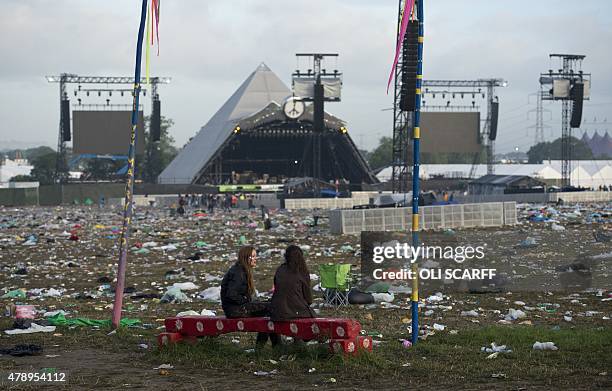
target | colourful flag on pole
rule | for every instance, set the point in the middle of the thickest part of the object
(155, 5)
(152, 34)
(408, 5)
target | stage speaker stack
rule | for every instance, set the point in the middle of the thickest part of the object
(65, 119)
(156, 120)
(494, 117)
(318, 101)
(409, 66)
(577, 95)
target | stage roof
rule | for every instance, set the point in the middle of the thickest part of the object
(255, 93)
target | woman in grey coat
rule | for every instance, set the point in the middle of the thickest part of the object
(292, 293)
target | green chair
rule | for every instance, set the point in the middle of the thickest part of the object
(335, 280)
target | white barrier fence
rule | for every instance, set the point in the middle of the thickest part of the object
(539, 198)
(492, 214)
(19, 185)
(582, 196)
(363, 198)
(325, 203)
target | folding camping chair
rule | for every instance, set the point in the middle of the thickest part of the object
(335, 280)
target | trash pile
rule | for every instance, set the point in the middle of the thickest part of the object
(566, 214)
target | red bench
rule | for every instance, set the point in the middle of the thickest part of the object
(343, 334)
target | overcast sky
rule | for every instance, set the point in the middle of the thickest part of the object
(209, 47)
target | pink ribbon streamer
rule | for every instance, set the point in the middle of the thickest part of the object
(408, 5)
(155, 16)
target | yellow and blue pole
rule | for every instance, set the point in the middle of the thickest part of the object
(416, 139)
(129, 181)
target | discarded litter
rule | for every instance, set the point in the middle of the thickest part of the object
(265, 373)
(185, 286)
(557, 227)
(187, 313)
(439, 327)
(528, 243)
(544, 346)
(60, 320)
(435, 298)
(383, 297)
(25, 311)
(211, 294)
(406, 343)
(175, 295)
(22, 350)
(514, 314)
(494, 348)
(34, 328)
(14, 294)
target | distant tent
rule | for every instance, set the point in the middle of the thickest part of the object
(580, 175)
(595, 144)
(547, 172)
(606, 146)
(586, 139)
(603, 176)
(601, 146)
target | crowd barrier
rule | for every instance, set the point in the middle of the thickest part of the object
(538, 198)
(581, 196)
(491, 214)
(325, 203)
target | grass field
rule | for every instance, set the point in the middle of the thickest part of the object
(442, 361)
(448, 359)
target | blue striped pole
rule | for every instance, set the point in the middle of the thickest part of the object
(129, 181)
(416, 136)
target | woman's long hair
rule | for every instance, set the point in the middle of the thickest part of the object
(244, 256)
(294, 258)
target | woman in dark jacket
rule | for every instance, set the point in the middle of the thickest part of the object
(238, 289)
(292, 293)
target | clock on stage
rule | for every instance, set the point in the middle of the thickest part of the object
(293, 108)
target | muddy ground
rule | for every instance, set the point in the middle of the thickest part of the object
(37, 255)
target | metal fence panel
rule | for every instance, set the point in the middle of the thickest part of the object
(493, 214)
